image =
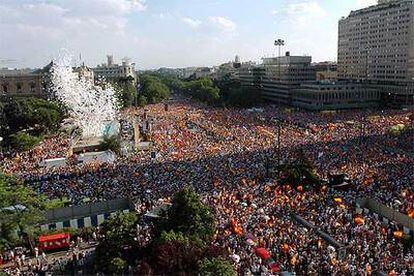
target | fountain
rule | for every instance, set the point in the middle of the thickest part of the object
(92, 108)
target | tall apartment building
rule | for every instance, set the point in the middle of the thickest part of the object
(377, 43)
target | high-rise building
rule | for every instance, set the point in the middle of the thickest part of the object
(377, 43)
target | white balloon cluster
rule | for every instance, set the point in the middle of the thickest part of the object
(91, 107)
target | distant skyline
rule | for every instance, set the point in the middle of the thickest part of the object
(168, 33)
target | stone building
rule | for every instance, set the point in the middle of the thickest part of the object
(84, 72)
(115, 72)
(33, 82)
(24, 82)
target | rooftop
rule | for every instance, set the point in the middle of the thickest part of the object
(287, 60)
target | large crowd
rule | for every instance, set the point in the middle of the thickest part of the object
(226, 154)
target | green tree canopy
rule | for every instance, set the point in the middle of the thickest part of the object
(111, 143)
(300, 172)
(20, 209)
(3, 122)
(202, 89)
(243, 97)
(188, 215)
(126, 93)
(39, 114)
(216, 266)
(154, 89)
(117, 266)
(176, 257)
(142, 101)
(118, 234)
(22, 141)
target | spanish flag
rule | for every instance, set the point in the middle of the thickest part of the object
(398, 234)
(359, 220)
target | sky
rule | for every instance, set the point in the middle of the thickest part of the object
(168, 33)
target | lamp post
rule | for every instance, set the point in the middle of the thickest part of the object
(279, 43)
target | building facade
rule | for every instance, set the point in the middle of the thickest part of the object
(376, 46)
(282, 74)
(24, 82)
(335, 95)
(33, 82)
(377, 43)
(84, 72)
(326, 71)
(115, 72)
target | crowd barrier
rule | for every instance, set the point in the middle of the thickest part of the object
(75, 212)
(386, 212)
(339, 247)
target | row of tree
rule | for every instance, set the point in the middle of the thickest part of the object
(234, 94)
(226, 91)
(181, 242)
(152, 90)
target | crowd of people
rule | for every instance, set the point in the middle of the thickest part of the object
(229, 156)
(24, 261)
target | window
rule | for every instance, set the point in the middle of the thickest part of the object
(32, 87)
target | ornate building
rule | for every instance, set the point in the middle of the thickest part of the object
(23, 82)
(115, 72)
(33, 82)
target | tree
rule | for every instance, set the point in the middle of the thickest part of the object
(22, 141)
(20, 210)
(243, 97)
(118, 234)
(111, 143)
(142, 101)
(188, 215)
(117, 266)
(153, 89)
(300, 172)
(179, 237)
(177, 258)
(126, 93)
(216, 266)
(39, 114)
(3, 121)
(202, 89)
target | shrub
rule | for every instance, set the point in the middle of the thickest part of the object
(22, 141)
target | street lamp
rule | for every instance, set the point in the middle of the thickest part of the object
(279, 43)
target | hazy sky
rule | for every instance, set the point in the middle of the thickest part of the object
(168, 33)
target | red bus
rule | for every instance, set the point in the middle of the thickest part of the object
(54, 242)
